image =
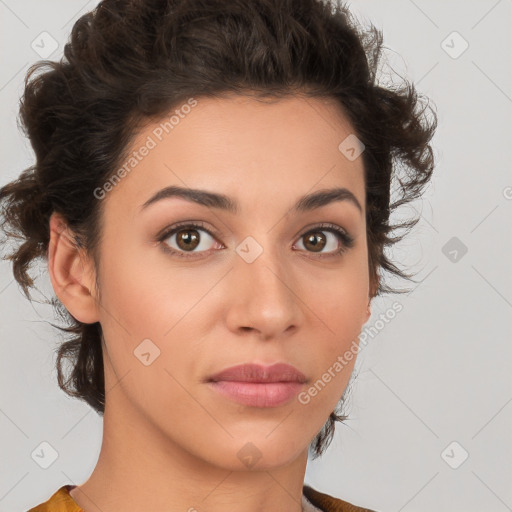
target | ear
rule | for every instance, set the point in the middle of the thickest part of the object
(374, 286)
(72, 272)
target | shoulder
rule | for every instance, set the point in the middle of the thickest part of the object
(328, 503)
(59, 501)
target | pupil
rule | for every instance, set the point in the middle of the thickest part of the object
(315, 241)
(188, 238)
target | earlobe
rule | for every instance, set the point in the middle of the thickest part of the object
(71, 272)
(373, 292)
(368, 313)
(374, 287)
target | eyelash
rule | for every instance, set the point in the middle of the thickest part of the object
(347, 241)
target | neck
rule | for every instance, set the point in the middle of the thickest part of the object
(140, 468)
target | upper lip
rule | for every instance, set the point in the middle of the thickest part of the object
(279, 372)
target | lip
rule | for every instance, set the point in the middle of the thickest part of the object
(258, 385)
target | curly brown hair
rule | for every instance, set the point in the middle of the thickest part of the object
(131, 61)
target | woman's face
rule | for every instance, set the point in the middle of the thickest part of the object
(269, 283)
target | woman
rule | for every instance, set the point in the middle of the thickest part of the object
(212, 196)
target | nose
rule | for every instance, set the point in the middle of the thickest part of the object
(264, 297)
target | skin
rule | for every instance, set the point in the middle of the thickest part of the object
(170, 442)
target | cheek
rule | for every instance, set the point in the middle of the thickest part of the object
(340, 297)
(339, 312)
(148, 300)
(150, 326)
(336, 339)
(146, 295)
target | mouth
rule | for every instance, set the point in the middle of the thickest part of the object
(257, 385)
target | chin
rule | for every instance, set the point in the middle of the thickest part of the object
(259, 452)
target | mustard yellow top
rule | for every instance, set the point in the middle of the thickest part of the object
(61, 501)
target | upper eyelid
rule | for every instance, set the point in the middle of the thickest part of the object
(327, 226)
(170, 229)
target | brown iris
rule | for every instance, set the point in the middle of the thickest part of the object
(312, 239)
(190, 239)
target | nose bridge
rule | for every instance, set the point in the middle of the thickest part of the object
(265, 297)
(261, 262)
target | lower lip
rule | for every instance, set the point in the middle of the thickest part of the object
(258, 394)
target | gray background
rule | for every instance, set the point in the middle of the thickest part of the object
(434, 384)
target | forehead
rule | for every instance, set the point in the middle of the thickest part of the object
(245, 148)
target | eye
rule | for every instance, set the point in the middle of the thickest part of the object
(186, 238)
(315, 240)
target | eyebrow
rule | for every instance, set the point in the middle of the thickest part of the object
(305, 203)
